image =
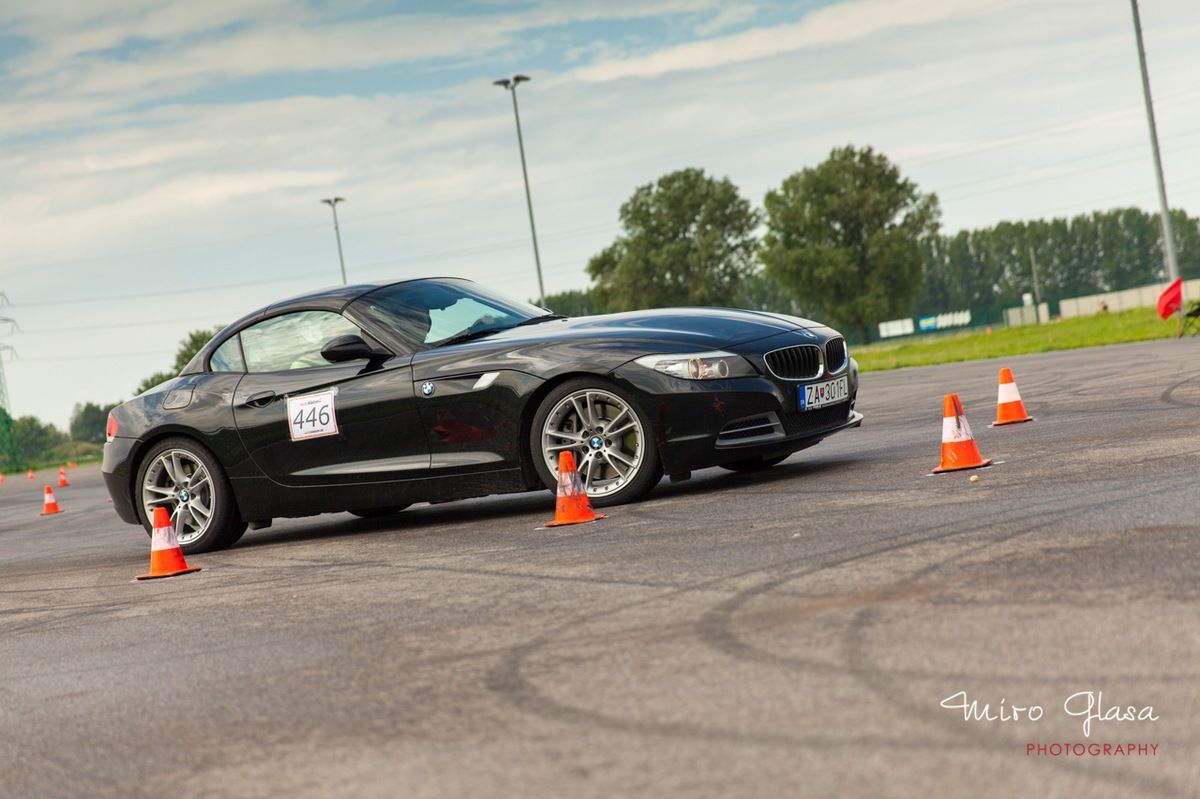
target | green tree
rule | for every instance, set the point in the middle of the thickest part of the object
(758, 291)
(989, 269)
(152, 381)
(11, 456)
(847, 237)
(35, 438)
(88, 422)
(191, 344)
(574, 303)
(687, 239)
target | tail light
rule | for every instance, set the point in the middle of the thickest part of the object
(110, 429)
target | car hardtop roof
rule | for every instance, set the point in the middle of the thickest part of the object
(333, 298)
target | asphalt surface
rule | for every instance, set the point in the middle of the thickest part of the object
(787, 634)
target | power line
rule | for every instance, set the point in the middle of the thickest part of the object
(370, 266)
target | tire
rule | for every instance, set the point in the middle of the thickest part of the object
(634, 449)
(378, 513)
(755, 464)
(224, 525)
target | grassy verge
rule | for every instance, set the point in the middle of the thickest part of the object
(1142, 324)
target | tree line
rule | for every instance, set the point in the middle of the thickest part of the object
(854, 242)
(27, 441)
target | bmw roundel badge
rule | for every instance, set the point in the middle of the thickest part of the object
(427, 388)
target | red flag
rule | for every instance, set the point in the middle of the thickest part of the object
(1171, 300)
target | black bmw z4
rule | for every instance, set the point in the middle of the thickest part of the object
(369, 398)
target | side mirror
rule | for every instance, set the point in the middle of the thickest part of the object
(349, 348)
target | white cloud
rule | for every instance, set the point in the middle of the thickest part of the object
(835, 24)
(726, 17)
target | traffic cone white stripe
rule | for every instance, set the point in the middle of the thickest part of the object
(955, 429)
(1008, 393)
(163, 538)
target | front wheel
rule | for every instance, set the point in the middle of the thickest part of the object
(600, 424)
(183, 477)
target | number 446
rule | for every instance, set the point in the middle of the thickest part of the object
(313, 416)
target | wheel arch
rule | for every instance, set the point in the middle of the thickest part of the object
(138, 456)
(532, 403)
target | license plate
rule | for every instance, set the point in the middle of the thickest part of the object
(818, 395)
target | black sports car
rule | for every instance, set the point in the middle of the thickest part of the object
(369, 398)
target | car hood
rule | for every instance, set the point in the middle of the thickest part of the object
(709, 328)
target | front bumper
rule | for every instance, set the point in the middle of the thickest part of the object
(697, 424)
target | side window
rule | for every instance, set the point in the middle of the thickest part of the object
(293, 341)
(228, 357)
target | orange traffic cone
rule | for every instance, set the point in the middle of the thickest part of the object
(62, 478)
(166, 557)
(1009, 408)
(72, 465)
(958, 445)
(572, 505)
(1, 477)
(50, 504)
(30, 475)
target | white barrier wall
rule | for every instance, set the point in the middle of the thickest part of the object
(1026, 315)
(1141, 297)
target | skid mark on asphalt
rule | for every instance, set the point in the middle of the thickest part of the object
(509, 680)
(884, 684)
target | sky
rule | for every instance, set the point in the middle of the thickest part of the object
(163, 161)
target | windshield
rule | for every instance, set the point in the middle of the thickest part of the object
(426, 313)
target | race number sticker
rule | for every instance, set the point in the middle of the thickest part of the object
(312, 415)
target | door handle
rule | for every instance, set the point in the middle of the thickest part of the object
(260, 400)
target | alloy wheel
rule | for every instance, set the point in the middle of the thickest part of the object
(604, 434)
(178, 481)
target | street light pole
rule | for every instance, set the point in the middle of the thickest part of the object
(510, 84)
(332, 203)
(1168, 238)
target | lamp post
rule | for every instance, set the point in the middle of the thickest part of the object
(332, 203)
(1168, 237)
(510, 84)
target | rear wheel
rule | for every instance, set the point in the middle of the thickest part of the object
(754, 464)
(183, 477)
(612, 443)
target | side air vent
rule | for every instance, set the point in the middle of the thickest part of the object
(750, 430)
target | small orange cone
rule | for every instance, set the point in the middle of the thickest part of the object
(572, 505)
(30, 475)
(958, 444)
(1, 477)
(50, 505)
(62, 478)
(72, 465)
(166, 557)
(1009, 408)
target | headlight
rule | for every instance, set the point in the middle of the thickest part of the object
(699, 365)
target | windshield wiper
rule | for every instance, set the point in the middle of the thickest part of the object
(550, 317)
(467, 335)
